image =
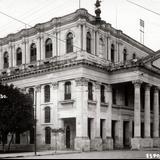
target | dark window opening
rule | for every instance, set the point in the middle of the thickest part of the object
(67, 90)
(33, 55)
(112, 53)
(47, 115)
(69, 43)
(103, 94)
(48, 48)
(19, 56)
(6, 60)
(90, 91)
(48, 135)
(88, 42)
(47, 94)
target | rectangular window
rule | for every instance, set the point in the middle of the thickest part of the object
(102, 94)
(67, 95)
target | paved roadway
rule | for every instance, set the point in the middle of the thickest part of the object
(103, 155)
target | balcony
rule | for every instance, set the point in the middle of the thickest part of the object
(56, 62)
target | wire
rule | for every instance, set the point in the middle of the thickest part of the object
(143, 7)
(20, 21)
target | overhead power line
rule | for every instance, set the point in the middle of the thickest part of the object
(144, 7)
(48, 34)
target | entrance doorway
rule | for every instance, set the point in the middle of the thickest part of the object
(68, 137)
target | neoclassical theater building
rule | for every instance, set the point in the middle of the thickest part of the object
(95, 82)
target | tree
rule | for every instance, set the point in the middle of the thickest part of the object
(16, 113)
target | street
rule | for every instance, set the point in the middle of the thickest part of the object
(103, 155)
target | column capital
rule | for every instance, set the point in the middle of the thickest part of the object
(38, 88)
(137, 83)
(109, 88)
(55, 85)
(97, 85)
(82, 81)
(156, 89)
(148, 87)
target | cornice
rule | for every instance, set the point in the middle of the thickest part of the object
(43, 27)
(70, 18)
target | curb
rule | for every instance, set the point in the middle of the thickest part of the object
(39, 155)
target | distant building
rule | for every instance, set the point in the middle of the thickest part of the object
(95, 82)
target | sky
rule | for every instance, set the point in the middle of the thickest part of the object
(120, 13)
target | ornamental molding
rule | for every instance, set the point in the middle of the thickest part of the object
(82, 81)
(38, 88)
(55, 85)
(137, 83)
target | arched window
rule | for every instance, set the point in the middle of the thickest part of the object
(101, 47)
(125, 55)
(47, 115)
(19, 56)
(48, 48)
(67, 90)
(47, 94)
(103, 94)
(112, 53)
(90, 91)
(48, 135)
(6, 60)
(69, 42)
(88, 42)
(33, 53)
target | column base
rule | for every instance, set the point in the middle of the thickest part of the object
(96, 144)
(82, 144)
(108, 144)
(139, 143)
(156, 142)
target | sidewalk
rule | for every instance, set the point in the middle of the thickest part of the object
(31, 154)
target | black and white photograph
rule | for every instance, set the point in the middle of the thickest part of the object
(79, 79)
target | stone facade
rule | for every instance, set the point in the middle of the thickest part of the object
(120, 105)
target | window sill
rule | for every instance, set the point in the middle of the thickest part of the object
(92, 102)
(104, 104)
(67, 102)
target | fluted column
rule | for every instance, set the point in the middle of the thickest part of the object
(147, 118)
(137, 108)
(156, 113)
